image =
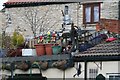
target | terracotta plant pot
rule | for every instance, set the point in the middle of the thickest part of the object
(48, 49)
(14, 52)
(40, 49)
(11, 53)
(19, 52)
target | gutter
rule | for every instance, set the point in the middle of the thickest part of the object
(96, 58)
(26, 4)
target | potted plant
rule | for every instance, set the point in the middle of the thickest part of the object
(48, 44)
(39, 46)
(17, 41)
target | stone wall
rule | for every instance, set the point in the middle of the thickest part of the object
(110, 9)
(2, 21)
(54, 18)
(110, 15)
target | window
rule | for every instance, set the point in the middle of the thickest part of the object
(93, 74)
(88, 14)
(114, 77)
(91, 13)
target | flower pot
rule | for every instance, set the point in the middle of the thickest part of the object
(11, 53)
(40, 49)
(48, 49)
(18, 52)
(56, 49)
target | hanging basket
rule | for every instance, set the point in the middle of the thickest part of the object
(29, 76)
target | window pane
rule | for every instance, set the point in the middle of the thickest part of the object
(117, 77)
(88, 14)
(111, 78)
(114, 77)
(92, 74)
(96, 14)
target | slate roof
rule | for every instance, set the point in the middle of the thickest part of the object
(103, 49)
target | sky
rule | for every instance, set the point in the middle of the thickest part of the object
(1, 3)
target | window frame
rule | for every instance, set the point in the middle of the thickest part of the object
(91, 5)
(93, 73)
(114, 77)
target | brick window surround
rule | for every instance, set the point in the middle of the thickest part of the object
(91, 13)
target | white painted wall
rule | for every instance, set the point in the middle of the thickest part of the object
(107, 67)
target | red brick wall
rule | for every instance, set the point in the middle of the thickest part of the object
(110, 25)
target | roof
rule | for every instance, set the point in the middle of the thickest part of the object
(18, 2)
(24, 3)
(103, 49)
(50, 1)
(36, 1)
(11, 1)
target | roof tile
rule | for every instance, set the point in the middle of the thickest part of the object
(111, 48)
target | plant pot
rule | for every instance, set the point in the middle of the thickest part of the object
(18, 52)
(11, 53)
(56, 49)
(48, 49)
(40, 49)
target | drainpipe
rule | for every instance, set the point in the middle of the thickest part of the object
(119, 10)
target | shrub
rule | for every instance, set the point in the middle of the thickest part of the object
(17, 39)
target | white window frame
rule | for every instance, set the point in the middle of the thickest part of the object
(93, 73)
(114, 75)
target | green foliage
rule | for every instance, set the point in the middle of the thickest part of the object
(14, 38)
(5, 42)
(17, 39)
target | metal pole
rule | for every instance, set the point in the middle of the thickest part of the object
(63, 74)
(12, 71)
(85, 73)
(119, 11)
